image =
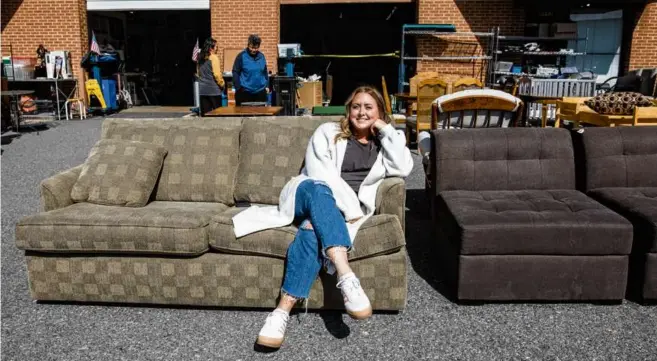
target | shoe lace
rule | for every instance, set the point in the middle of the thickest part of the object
(278, 320)
(349, 286)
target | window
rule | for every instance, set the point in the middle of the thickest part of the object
(605, 32)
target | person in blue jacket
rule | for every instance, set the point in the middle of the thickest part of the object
(250, 77)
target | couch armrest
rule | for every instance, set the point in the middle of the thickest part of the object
(391, 199)
(56, 190)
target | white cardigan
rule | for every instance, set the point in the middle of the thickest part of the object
(323, 163)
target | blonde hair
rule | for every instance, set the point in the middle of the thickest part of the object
(345, 124)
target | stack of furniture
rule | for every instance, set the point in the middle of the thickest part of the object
(540, 95)
(429, 86)
(166, 235)
(575, 110)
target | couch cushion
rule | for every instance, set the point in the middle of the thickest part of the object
(502, 159)
(619, 157)
(158, 228)
(639, 205)
(556, 222)
(119, 173)
(202, 159)
(380, 234)
(271, 152)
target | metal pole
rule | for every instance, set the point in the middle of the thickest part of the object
(400, 85)
(11, 58)
(59, 116)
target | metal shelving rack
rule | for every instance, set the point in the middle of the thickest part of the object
(445, 30)
(535, 39)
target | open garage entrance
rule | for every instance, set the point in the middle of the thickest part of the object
(156, 48)
(348, 29)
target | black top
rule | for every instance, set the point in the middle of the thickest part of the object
(358, 160)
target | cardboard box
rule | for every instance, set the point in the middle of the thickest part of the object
(310, 94)
(229, 58)
(564, 30)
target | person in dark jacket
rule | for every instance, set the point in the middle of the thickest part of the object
(211, 83)
(250, 76)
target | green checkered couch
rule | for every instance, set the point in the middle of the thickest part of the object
(180, 247)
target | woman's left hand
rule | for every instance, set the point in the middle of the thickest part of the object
(378, 125)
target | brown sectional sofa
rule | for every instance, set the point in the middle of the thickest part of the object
(510, 224)
(620, 171)
(180, 248)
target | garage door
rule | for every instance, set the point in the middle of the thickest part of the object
(120, 5)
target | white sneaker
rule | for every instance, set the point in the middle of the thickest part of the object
(355, 300)
(273, 332)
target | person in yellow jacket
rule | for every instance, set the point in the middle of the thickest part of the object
(211, 83)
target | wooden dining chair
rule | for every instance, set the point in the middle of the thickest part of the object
(476, 108)
(511, 86)
(399, 119)
(466, 83)
(427, 91)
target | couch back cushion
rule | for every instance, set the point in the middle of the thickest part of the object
(502, 159)
(620, 157)
(272, 151)
(202, 155)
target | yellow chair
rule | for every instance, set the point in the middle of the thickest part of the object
(397, 118)
(466, 83)
(427, 91)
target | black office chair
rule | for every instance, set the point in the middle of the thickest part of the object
(640, 81)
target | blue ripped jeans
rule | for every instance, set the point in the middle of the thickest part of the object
(322, 226)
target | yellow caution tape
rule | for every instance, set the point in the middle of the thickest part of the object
(388, 55)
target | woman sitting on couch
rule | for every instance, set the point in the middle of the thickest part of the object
(332, 197)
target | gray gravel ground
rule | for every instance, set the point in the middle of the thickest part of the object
(432, 327)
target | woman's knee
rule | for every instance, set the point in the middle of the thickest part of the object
(319, 189)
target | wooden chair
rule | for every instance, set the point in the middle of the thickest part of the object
(397, 118)
(466, 83)
(427, 91)
(476, 108)
(473, 108)
(511, 86)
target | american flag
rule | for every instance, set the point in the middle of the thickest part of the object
(94, 44)
(195, 52)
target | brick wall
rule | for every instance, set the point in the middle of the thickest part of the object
(233, 21)
(467, 16)
(58, 25)
(643, 51)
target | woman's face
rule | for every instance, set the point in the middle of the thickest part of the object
(363, 112)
